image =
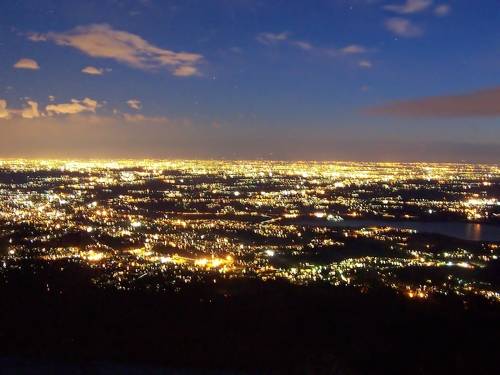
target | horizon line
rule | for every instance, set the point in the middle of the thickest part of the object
(145, 159)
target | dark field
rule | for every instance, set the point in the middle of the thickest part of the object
(247, 327)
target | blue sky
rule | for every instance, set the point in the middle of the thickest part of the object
(336, 79)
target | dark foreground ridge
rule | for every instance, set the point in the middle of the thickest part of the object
(242, 326)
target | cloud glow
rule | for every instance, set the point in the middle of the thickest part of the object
(25, 63)
(483, 103)
(102, 41)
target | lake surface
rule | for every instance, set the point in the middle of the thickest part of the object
(466, 231)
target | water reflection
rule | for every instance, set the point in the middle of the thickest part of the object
(466, 231)
(473, 231)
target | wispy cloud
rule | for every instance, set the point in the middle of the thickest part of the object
(93, 71)
(285, 37)
(353, 49)
(306, 46)
(102, 41)
(409, 7)
(442, 10)
(272, 38)
(26, 64)
(483, 103)
(366, 64)
(403, 27)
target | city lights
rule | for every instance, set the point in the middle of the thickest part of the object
(195, 220)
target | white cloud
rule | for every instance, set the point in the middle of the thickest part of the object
(410, 6)
(272, 38)
(27, 64)
(306, 46)
(74, 107)
(31, 111)
(365, 64)
(186, 71)
(93, 71)
(102, 41)
(37, 37)
(353, 49)
(4, 112)
(403, 27)
(442, 10)
(83, 109)
(134, 104)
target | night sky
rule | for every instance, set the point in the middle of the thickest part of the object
(373, 80)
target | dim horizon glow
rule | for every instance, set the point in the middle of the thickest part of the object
(341, 80)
